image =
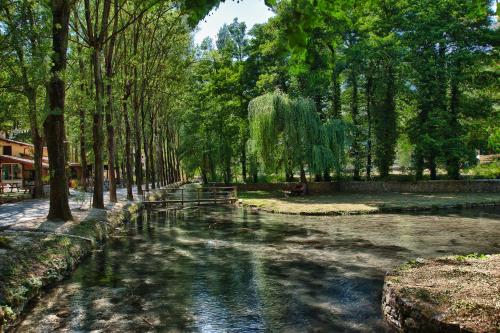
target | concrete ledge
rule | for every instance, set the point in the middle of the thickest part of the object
(451, 294)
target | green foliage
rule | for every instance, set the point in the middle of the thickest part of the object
(5, 242)
(6, 315)
(287, 134)
(360, 84)
(494, 140)
(490, 170)
(198, 9)
(444, 65)
(474, 255)
(214, 128)
(410, 264)
(404, 152)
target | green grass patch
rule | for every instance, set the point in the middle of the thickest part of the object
(359, 203)
(484, 171)
(410, 264)
(479, 256)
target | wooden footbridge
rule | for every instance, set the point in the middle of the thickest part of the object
(196, 196)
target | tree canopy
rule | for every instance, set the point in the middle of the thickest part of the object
(350, 89)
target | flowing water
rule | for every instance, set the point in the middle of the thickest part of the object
(231, 270)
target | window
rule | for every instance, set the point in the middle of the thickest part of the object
(7, 150)
(11, 171)
(5, 171)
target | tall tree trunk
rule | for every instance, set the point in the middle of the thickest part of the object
(145, 145)
(128, 135)
(161, 164)
(54, 123)
(137, 127)
(453, 160)
(98, 200)
(369, 95)
(317, 101)
(151, 150)
(433, 167)
(110, 141)
(171, 177)
(244, 164)
(178, 165)
(84, 91)
(391, 135)
(83, 152)
(37, 140)
(204, 168)
(303, 178)
(96, 40)
(162, 140)
(419, 164)
(30, 91)
(356, 144)
(109, 107)
(118, 168)
(337, 103)
(138, 143)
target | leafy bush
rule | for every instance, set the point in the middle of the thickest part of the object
(491, 170)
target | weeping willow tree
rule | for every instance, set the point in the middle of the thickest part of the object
(338, 140)
(287, 134)
(267, 123)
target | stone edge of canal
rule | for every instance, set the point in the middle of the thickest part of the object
(443, 294)
(28, 268)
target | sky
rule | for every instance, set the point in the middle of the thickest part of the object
(248, 11)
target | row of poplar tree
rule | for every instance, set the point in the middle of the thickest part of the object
(408, 79)
(97, 82)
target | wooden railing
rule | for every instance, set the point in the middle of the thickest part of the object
(212, 195)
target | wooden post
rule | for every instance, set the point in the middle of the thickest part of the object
(198, 194)
(182, 197)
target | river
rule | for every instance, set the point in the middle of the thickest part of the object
(231, 270)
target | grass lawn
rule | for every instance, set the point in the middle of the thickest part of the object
(353, 203)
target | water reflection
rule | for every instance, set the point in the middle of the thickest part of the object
(230, 270)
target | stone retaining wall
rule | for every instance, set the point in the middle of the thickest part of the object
(426, 186)
(455, 294)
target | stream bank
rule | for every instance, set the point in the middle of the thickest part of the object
(448, 294)
(364, 203)
(36, 254)
(33, 259)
